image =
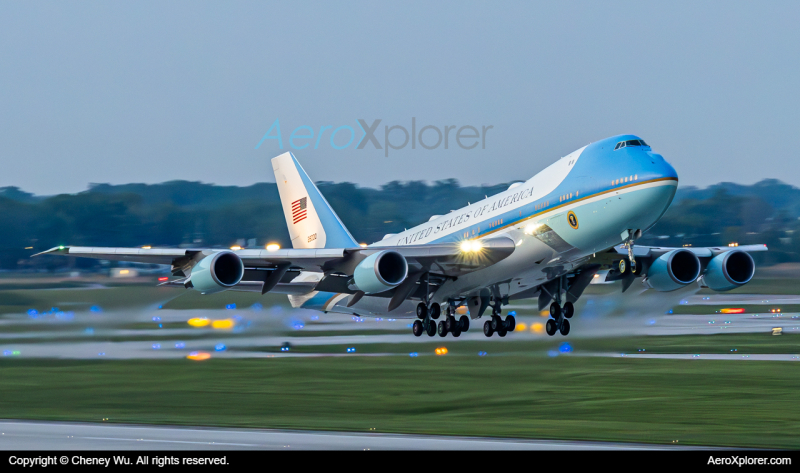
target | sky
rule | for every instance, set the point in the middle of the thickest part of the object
(120, 92)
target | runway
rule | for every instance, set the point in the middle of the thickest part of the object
(28, 435)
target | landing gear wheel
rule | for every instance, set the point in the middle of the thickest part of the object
(569, 310)
(511, 323)
(442, 329)
(501, 330)
(456, 330)
(487, 328)
(464, 322)
(564, 327)
(496, 322)
(422, 310)
(555, 310)
(436, 309)
(551, 327)
(450, 323)
(431, 330)
(417, 328)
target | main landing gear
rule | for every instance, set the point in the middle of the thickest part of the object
(426, 324)
(497, 325)
(559, 322)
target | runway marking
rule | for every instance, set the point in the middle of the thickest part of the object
(172, 441)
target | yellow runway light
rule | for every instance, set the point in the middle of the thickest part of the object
(537, 328)
(520, 327)
(441, 351)
(545, 313)
(736, 310)
(224, 323)
(198, 322)
(198, 355)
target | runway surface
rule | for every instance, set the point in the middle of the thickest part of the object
(26, 435)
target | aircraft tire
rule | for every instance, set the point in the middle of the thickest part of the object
(431, 330)
(501, 330)
(450, 323)
(487, 329)
(564, 327)
(442, 329)
(417, 328)
(496, 322)
(550, 327)
(435, 310)
(511, 323)
(464, 322)
(422, 310)
(555, 310)
(456, 331)
(569, 310)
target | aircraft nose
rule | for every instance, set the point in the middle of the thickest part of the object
(662, 168)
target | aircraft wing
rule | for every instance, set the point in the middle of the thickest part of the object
(701, 252)
(446, 259)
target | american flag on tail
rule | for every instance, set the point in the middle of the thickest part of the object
(299, 210)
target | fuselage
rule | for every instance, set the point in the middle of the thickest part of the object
(584, 203)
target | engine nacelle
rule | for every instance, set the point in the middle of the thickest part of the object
(217, 272)
(380, 272)
(673, 270)
(729, 270)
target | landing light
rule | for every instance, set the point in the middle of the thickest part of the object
(147, 247)
(273, 247)
(362, 245)
(532, 228)
(236, 248)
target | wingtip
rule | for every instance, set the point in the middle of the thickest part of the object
(55, 249)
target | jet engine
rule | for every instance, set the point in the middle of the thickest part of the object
(217, 272)
(729, 270)
(380, 272)
(673, 270)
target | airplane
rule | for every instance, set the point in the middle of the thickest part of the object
(544, 238)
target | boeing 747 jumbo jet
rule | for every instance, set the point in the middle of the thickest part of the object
(544, 238)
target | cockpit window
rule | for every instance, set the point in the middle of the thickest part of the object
(625, 144)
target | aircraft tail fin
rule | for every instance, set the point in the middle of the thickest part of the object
(311, 220)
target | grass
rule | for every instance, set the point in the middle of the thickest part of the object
(745, 404)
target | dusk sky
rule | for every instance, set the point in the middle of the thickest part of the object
(119, 92)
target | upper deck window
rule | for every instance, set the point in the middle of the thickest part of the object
(625, 144)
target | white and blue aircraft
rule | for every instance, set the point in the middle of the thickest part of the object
(545, 238)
